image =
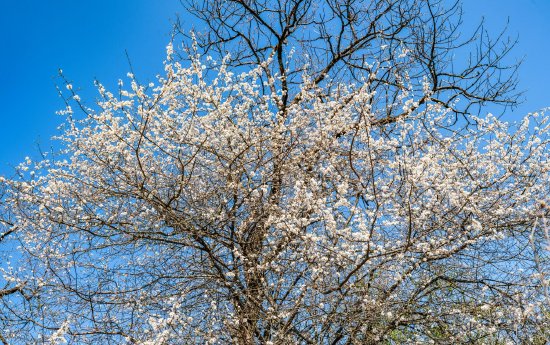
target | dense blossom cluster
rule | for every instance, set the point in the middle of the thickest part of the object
(193, 210)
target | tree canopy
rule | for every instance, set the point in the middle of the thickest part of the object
(302, 173)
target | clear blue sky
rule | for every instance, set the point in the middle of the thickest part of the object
(88, 40)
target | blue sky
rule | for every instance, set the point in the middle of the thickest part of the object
(89, 40)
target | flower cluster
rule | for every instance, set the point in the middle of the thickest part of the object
(205, 209)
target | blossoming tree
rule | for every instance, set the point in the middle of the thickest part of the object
(265, 199)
